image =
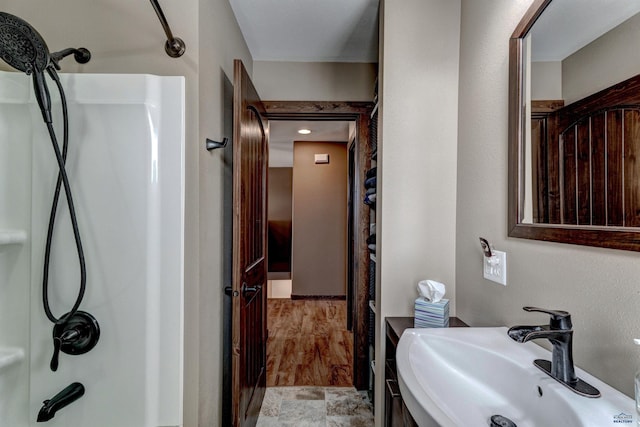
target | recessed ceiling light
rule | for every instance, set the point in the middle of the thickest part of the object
(304, 131)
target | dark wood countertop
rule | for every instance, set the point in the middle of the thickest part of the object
(397, 325)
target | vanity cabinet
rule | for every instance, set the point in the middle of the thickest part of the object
(396, 413)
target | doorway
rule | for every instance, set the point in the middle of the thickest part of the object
(345, 363)
(242, 290)
(309, 343)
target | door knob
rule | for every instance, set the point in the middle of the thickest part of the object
(250, 289)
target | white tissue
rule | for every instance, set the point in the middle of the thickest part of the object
(431, 290)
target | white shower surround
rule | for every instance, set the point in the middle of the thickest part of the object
(126, 168)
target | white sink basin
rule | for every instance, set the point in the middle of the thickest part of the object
(463, 376)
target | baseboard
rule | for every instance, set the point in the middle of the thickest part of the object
(279, 275)
(334, 297)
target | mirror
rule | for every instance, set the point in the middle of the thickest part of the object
(574, 123)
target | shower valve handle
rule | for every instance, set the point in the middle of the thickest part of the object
(77, 335)
(67, 337)
(57, 342)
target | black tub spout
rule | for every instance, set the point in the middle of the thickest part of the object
(70, 394)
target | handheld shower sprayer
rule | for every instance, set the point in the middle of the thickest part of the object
(23, 48)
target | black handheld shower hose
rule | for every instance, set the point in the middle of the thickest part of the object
(63, 179)
(23, 48)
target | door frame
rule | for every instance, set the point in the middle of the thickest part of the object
(360, 113)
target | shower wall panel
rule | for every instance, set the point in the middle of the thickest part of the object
(126, 168)
(15, 256)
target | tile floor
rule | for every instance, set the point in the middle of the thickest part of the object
(315, 407)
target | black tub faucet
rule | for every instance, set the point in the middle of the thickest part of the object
(560, 333)
(70, 394)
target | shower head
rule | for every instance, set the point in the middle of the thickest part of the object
(25, 50)
(21, 46)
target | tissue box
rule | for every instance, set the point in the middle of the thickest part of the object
(431, 314)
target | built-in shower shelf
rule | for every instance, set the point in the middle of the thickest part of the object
(10, 357)
(8, 237)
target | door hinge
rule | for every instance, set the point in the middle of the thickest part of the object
(229, 291)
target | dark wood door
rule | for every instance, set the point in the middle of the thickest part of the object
(249, 330)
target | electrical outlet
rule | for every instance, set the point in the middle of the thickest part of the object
(495, 267)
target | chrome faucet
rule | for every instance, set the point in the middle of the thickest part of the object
(560, 333)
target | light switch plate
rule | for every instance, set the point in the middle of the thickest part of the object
(321, 158)
(495, 268)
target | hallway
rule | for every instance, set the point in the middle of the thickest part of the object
(309, 367)
(308, 343)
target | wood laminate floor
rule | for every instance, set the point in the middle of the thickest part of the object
(308, 343)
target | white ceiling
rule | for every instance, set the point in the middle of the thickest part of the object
(568, 25)
(283, 133)
(309, 30)
(347, 30)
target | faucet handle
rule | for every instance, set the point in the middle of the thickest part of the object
(560, 319)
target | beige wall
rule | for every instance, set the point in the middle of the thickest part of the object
(582, 76)
(220, 43)
(126, 37)
(280, 215)
(280, 194)
(319, 219)
(314, 81)
(417, 157)
(598, 286)
(546, 80)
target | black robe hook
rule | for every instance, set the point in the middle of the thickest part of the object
(212, 145)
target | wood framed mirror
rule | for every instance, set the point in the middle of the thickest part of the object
(573, 173)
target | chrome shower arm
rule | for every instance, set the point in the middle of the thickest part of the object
(174, 46)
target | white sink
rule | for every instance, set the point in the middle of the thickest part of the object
(463, 376)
